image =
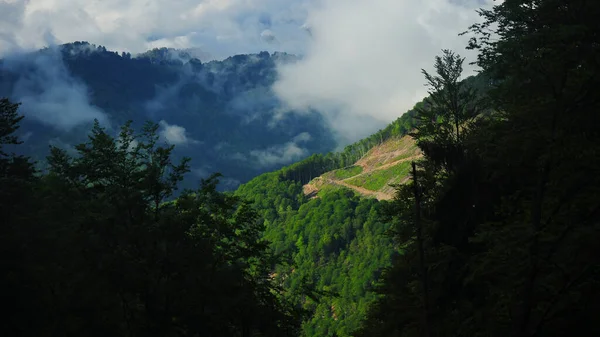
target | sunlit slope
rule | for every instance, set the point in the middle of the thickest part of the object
(372, 175)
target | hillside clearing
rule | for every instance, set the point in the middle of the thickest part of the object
(371, 176)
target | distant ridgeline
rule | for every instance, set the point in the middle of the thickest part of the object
(219, 113)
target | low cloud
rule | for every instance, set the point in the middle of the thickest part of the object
(175, 134)
(363, 63)
(282, 154)
(47, 91)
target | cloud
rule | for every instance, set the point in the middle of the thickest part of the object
(221, 27)
(362, 58)
(175, 134)
(283, 153)
(362, 65)
(47, 91)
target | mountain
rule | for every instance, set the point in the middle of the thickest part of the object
(495, 233)
(223, 114)
(326, 217)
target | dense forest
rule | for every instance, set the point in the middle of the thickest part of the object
(495, 234)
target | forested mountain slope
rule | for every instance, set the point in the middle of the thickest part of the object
(220, 113)
(332, 240)
(324, 218)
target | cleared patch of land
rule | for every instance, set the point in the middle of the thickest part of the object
(371, 176)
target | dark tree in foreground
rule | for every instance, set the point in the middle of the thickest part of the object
(511, 241)
(97, 248)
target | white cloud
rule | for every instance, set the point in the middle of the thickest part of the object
(221, 27)
(302, 137)
(175, 134)
(365, 58)
(282, 154)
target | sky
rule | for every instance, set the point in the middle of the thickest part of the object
(362, 59)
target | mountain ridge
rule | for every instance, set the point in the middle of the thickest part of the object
(223, 114)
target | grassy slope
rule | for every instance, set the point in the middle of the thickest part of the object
(372, 175)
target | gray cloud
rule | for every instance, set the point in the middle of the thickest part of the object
(283, 153)
(175, 134)
(362, 66)
(47, 91)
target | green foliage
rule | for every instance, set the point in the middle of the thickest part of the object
(327, 188)
(334, 248)
(93, 249)
(448, 113)
(347, 172)
(379, 179)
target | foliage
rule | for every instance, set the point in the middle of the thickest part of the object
(93, 248)
(333, 247)
(509, 208)
(348, 172)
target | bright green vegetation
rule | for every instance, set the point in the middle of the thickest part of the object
(347, 172)
(335, 246)
(376, 180)
(327, 188)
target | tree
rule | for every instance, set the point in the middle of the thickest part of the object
(17, 186)
(543, 57)
(106, 250)
(448, 113)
